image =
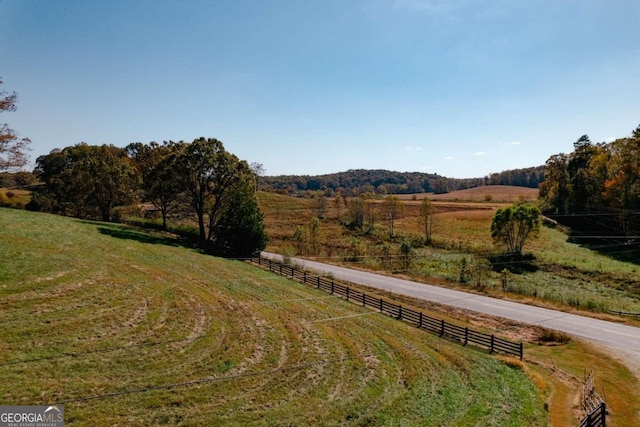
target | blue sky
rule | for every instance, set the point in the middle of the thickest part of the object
(462, 88)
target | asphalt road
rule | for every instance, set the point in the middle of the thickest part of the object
(621, 339)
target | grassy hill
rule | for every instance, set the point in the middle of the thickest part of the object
(127, 327)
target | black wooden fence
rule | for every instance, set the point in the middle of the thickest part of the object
(593, 405)
(418, 319)
(597, 418)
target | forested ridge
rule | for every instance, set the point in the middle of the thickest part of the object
(381, 181)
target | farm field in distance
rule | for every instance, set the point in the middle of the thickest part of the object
(569, 277)
(128, 327)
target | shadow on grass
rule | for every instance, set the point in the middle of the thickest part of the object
(143, 236)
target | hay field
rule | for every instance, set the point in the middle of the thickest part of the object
(128, 327)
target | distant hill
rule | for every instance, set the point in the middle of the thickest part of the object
(390, 182)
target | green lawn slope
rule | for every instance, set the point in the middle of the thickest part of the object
(127, 327)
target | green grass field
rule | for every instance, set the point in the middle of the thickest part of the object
(127, 327)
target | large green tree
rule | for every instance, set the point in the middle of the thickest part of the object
(160, 175)
(513, 225)
(221, 190)
(88, 181)
(13, 149)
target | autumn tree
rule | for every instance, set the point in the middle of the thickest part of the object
(427, 214)
(12, 148)
(355, 211)
(369, 210)
(596, 187)
(392, 209)
(555, 190)
(338, 202)
(622, 188)
(513, 225)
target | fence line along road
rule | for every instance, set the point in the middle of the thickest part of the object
(622, 339)
(442, 328)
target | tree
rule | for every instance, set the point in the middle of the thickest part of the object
(238, 231)
(513, 225)
(12, 148)
(222, 192)
(320, 204)
(355, 209)
(555, 189)
(160, 175)
(427, 214)
(369, 210)
(338, 203)
(392, 208)
(87, 180)
(405, 255)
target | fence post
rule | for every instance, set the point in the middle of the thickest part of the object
(380, 305)
(318, 282)
(332, 286)
(347, 293)
(363, 300)
(305, 277)
(491, 349)
(466, 336)
(399, 312)
(420, 321)
(442, 328)
(521, 350)
(281, 269)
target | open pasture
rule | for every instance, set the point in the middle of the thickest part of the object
(127, 327)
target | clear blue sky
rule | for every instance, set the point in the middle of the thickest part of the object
(461, 88)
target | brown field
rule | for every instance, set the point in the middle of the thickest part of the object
(496, 193)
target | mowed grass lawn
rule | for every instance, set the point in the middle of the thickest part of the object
(127, 327)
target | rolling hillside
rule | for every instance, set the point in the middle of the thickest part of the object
(126, 327)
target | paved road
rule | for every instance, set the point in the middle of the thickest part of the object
(621, 339)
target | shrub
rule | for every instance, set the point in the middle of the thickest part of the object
(551, 336)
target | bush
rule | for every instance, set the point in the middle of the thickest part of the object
(551, 336)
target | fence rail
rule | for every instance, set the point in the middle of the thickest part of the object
(593, 405)
(623, 313)
(418, 319)
(597, 418)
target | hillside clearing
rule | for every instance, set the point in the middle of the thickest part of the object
(127, 327)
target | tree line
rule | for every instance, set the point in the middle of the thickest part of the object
(178, 180)
(382, 182)
(596, 188)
